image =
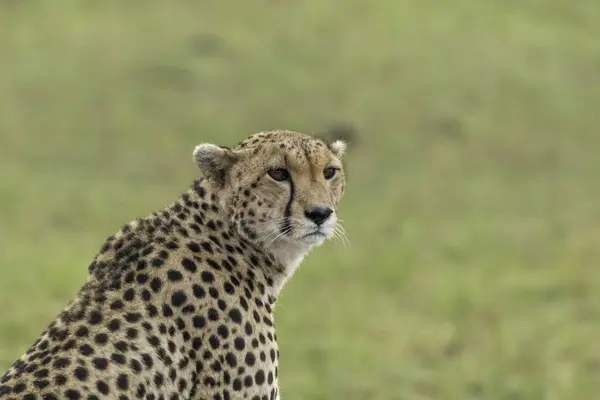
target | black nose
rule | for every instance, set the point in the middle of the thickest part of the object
(318, 215)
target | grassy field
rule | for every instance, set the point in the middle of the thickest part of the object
(473, 205)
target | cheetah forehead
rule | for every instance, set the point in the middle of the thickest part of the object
(291, 144)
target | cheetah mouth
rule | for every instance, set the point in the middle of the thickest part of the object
(316, 234)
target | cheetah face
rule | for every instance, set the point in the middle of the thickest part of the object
(280, 188)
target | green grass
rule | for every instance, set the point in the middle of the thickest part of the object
(473, 204)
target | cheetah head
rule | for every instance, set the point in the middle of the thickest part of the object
(280, 189)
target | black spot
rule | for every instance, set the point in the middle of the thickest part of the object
(133, 317)
(167, 311)
(147, 360)
(101, 338)
(18, 388)
(146, 295)
(81, 373)
(193, 246)
(82, 331)
(135, 365)
(199, 321)
(270, 378)
(131, 333)
(42, 373)
(207, 277)
(223, 331)
(209, 381)
(250, 359)
(141, 264)
(237, 384)
(102, 387)
(129, 295)
(214, 342)
(114, 325)
(211, 225)
(231, 359)
(207, 247)
(259, 377)
(129, 277)
(122, 382)
(216, 366)
(157, 262)
(100, 363)
(86, 349)
(140, 391)
(174, 275)
(121, 346)
(213, 264)
(198, 291)
(188, 309)
(171, 245)
(118, 358)
(61, 363)
(172, 346)
(239, 343)
(95, 317)
(178, 298)
(41, 384)
(228, 287)
(213, 314)
(152, 310)
(155, 284)
(196, 344)
(235, 315)
(159, 379)
(195, 227)
(116, 305)
(60, 380)
(188, 265)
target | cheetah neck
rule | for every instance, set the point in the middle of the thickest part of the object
(290, 255)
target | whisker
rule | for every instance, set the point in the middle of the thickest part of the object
(341, 233)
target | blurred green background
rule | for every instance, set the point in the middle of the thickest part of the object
(473, 202)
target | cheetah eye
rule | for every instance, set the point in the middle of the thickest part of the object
(279, 174)
(329, 172)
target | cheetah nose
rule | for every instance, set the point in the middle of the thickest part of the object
(318, 215)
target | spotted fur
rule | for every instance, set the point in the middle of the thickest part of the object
(179, 304)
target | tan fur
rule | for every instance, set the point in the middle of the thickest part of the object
(179, 304)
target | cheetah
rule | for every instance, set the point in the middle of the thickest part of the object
(179, 304)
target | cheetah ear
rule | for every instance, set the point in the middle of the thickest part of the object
(338, 147)
(215, 161)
